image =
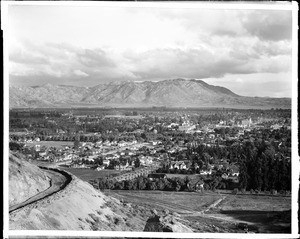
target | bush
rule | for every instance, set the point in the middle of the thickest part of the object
(118, 221)
(274, 192)
(235, 191)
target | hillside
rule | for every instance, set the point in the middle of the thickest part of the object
(169, 93)
(76, 207)
(22, 183)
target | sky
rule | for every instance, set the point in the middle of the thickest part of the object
(247, 51)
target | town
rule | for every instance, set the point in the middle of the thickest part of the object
(123, 145)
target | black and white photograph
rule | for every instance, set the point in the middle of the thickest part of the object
(150, 119)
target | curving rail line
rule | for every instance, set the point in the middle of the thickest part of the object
(41, 195)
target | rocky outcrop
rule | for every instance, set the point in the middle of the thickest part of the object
(165, 223)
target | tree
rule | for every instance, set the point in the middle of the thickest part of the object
(137, 163)
(187, 183)
(161, 184)
(109, 184)
(141, 185)
(102, 183)
(206, 158)
(128, 184)
(119, 185)
(99, 160)
(243, 175)
(77, 142)
(15, 146)
(152, 186)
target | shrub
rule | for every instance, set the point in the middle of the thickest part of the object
(235, 191)
(274, 192)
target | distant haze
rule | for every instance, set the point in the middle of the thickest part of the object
(246, 51)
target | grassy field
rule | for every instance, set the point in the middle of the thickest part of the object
(56, 144)
(181, 202)
(254, 202)
(90, 174)
(234, 213)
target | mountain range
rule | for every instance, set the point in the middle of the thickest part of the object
(167, 93)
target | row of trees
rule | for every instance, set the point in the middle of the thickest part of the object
(168, 184)
(144, 183)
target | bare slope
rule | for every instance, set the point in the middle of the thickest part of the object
(76, 207)
(25, 180)
(170, 93)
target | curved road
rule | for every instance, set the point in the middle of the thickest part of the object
(58, 181)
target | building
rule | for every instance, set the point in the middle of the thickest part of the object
(146, 160)
(99, 168)
(178, 165)
(37, 148)
(106, 162)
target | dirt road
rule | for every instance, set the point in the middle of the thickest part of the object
(58, 181)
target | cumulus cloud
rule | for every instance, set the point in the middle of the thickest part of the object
(94, 58)
(269, 25)
(67, 62)
(201, 63)
(24, 56)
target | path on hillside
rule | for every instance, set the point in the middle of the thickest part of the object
(58, 181)
(176, 207)
(136, 199)
(183, 210)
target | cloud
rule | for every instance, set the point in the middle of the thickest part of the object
(269, 25)
(80, 73)
(25, 57)
(95, 58)
(67, 61)
(202, 63)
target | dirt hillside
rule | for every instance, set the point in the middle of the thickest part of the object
(25, 179)
(76, 207)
